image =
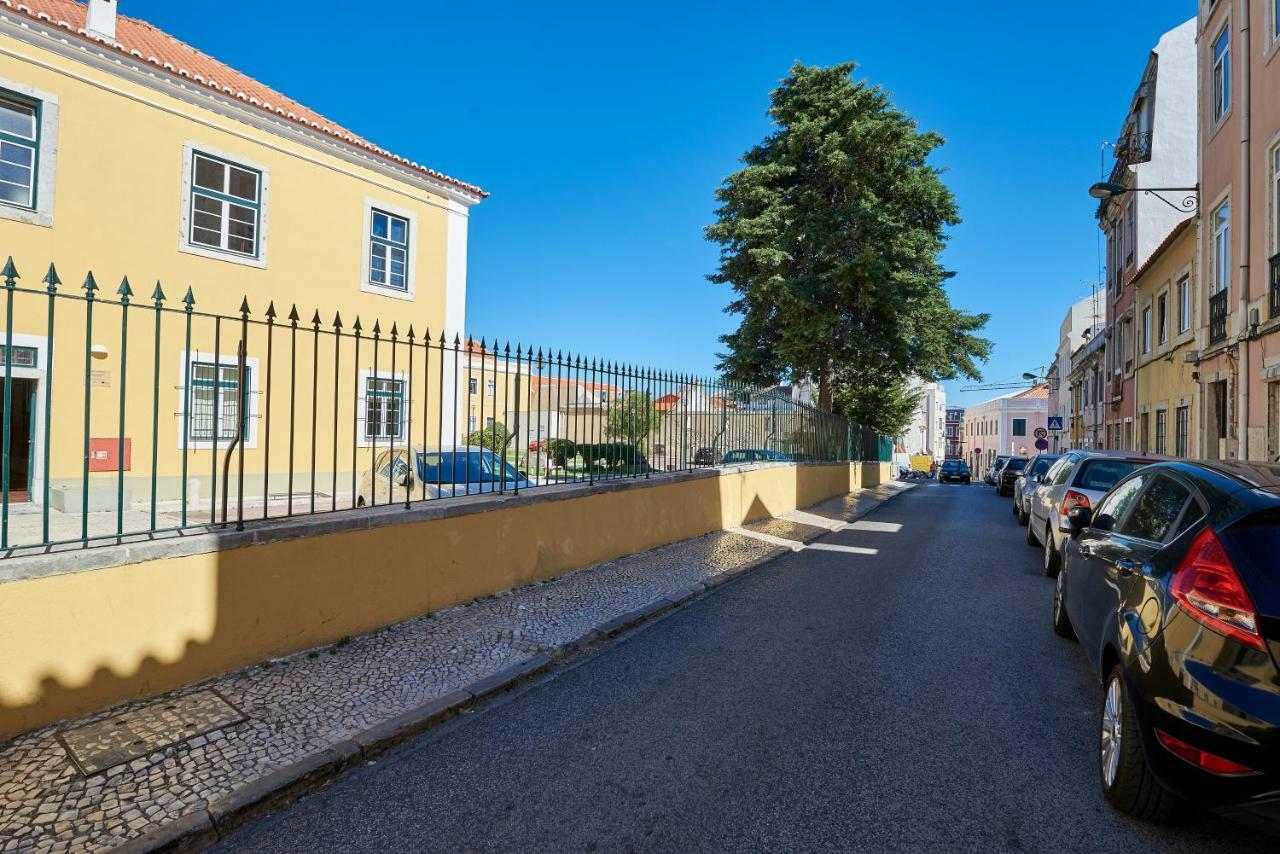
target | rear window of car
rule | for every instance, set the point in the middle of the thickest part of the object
(1016, 464)
(1042, 465)
(1259, 538)
(1104, 474)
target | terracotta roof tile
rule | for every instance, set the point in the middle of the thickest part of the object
(146, 43)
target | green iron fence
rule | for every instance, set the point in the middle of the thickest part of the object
(128, 417)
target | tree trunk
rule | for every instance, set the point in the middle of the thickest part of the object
(824, 389)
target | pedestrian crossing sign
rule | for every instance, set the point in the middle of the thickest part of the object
(1055, 423)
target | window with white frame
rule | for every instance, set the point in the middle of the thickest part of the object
(473, 386)
(383, 408)
(1162, 318)
(472, 420)
(226, 206)
(1222, 247)
(19, 151)
(1220, 96)
(490, 386)
(216, 405)
(1131, 234)
(1118, 228)
(1146, 329)
(1275, 194)
(388, 251)
(1184, 303)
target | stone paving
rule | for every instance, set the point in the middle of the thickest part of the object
(298, 707)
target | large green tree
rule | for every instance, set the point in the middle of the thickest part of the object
(829, 236)
(633, 417)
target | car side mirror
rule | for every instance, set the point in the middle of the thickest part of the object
(1078, 518)
(1104, 522)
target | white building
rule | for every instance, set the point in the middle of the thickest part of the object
(1083, 320)
(927, 431)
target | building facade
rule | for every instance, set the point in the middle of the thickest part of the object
(1238, 307)
(235, 195)
(1164, 391)
(954, 427)
(926, 432)
(1082, 321)
(1156, 149)
(1090, 404)
(1004, 426)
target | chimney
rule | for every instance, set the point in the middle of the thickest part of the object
(101, 22)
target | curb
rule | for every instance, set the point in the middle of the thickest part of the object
(203, 828)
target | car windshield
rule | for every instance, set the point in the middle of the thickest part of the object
(1103, 474)
(951, 465)
(462, 467)
(1042, 465)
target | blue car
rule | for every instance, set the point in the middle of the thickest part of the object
(437, 473)
(755, 455)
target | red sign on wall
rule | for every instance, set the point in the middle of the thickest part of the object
(103, 454)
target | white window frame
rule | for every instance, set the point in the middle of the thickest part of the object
(1161, 320)
(1186, 301)
(1220, 77)
(40, 212)
(189, 151)
(1220, 236)
(366, 238)
(222, 360)
(403, 395)
(490, 386)
(1146, 329)
(1131, 228)
(362, 438)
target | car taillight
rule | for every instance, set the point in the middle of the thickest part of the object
(1073, 499)
(1209, 589)
(1210, 762)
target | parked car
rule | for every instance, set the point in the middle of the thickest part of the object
(1009, 473)
(755, 455)
(706, 457)
(954, 471)
(1028, 480)
(1079, 478)
(1171, 583)
(437, 473)
(995, 470)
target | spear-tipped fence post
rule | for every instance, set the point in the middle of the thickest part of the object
(294, 317)
(315, 399)
(270, 314)
(125, 292)
(157, 299)
(11, 277)
(356, 329)
(51, 282)
(408, 425)
(90, 289)
(188, 303)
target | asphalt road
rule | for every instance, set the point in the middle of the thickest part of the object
(915, 699)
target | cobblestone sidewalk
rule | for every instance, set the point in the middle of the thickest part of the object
(307, 710)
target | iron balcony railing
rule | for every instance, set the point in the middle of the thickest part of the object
(126, 417)
(1218, 317)
(1275, 286)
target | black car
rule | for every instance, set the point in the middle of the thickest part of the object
(1009, 473)
(705, 457)
(1172, 585)
(954, 471)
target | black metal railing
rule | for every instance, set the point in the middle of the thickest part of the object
(126, 417)
(1218, 317)
(1274, 290)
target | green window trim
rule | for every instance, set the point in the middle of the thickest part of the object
(388, 253)
(226, 200)
(384, 408)
(31, 144)
(201, 416)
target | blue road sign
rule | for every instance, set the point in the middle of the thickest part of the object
(1055, 423)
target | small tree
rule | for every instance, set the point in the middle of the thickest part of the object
(494, 437)
(633, 418)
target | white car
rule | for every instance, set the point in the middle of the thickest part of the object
(1078, 478)
(1028, 480)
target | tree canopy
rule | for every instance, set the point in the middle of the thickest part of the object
(830, 236)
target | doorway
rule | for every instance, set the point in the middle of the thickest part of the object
(22, 418)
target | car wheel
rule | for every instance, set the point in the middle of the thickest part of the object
(1061, 622)
(1023, 517)
(1031, 536)
(1014, 505)
(1126, 778)
(1052, 560)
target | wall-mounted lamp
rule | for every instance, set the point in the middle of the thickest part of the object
(98, 351)
(1107, 190)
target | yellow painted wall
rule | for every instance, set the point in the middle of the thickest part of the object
(70, 644)
(1164, 378)
(117, 212)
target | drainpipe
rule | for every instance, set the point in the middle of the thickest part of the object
(1245, 177)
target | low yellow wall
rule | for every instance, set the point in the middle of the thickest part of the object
(74, 643)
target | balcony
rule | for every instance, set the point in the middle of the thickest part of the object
(1218, 316)
(1275, 286)
(1134, 147)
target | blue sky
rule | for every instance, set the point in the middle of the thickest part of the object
(603, 132)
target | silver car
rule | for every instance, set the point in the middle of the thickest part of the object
(1027, 482)
(1078, 478)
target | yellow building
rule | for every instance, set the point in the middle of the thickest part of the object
(1164, 308)
(126, 153)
